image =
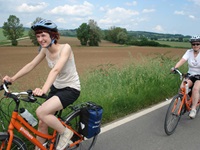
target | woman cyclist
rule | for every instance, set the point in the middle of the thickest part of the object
(62, 81)
(192, 56)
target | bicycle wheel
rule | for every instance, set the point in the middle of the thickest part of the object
(172, 118)
(73, 120)
(17, 143)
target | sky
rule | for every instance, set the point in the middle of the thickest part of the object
(160, 16)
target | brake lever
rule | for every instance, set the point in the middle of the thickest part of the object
(31, 97)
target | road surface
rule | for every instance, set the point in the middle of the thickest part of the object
(145, 131)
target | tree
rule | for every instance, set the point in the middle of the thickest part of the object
(12, 29)
(94, 33)
(117, 35)
(122, 37)
(83, 33)
(31, 33)
(89, 33)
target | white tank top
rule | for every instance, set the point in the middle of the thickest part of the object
(68, 76)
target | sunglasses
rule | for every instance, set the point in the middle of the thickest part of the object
(197, 44)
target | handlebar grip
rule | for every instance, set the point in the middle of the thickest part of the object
(43, 96)
(32, 98)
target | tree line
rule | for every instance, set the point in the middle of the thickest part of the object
(90, 34)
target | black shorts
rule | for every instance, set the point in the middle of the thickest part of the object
(193, 78)
(66, 95)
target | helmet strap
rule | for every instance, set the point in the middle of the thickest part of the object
(52, 41)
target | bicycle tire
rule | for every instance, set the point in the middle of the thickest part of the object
(172, 118)
(17, 143)
(73, 120)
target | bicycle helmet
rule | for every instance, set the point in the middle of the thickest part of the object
(195, 38)
(45, 24)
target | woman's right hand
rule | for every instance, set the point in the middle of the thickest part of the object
(172, 69)
(8, 79)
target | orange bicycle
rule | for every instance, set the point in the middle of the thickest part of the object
(10, 141)
(180, 104)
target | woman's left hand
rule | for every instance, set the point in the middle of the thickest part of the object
(38, 92)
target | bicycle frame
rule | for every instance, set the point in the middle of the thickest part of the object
(185, 101)
(18, 123)
(23, 127)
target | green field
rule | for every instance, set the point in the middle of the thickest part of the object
(176, 44)
(3, 38)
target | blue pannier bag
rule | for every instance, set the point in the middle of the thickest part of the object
(90, 120)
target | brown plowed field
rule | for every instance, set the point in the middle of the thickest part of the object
(13, 58)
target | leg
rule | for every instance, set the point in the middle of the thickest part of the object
(42, 127)
(195, 98)
(45, 113)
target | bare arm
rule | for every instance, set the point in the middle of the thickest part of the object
(180, 63)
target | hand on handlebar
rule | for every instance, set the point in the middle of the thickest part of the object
(38, 92)
(7, 79)
(173, 69)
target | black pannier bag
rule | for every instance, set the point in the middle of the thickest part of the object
(90, 120)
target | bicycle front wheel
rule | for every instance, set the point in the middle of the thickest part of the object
(172, 117)
(73, 120)
(17, 143)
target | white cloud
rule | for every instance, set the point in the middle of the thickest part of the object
(119, 17)
(179, 12)
(192, 17)
(61, 20)
(134, 3)
(74, 10)
(158, 28)
(148, 10)
(31, 8)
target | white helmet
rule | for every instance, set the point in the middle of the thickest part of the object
(195, 38)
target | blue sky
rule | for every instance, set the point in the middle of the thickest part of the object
(161, 16)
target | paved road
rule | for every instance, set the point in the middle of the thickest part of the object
(147, 133)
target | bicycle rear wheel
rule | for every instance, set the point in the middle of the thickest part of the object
(172, 117)
(17, 143)
(73, 120)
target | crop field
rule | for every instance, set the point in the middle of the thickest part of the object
(87, 58)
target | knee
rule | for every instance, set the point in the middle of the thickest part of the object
(39, 113)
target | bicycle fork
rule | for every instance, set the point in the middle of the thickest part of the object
(178, 107)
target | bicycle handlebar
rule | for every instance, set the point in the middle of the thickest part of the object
(16, 96)
(177, 71)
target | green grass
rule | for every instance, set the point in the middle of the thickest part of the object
(132, 88)
(176, 44)
(2, 37)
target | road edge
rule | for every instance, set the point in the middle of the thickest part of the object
(132, 117)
